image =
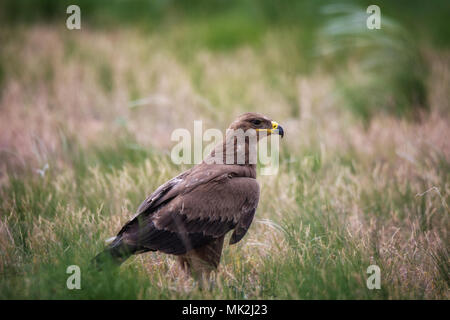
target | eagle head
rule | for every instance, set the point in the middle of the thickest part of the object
(258, 122)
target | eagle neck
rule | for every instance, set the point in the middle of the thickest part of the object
(236, 151)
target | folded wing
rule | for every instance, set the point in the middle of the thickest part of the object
(194, 209)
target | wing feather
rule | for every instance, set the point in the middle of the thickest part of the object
(193, 209)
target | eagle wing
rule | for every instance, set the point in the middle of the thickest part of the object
(193, 209)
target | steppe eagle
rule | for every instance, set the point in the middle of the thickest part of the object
(189, 215)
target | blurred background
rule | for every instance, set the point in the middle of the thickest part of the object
(151, 66)
(86, 118)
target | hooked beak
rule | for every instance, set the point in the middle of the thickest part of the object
(277, 128)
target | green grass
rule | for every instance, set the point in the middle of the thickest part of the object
(61, 219)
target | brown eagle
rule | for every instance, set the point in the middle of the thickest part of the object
(189, 215)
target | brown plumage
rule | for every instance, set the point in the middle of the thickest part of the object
(189, 215)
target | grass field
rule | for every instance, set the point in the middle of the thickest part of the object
(86, 118)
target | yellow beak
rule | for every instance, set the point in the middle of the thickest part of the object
(275, 126)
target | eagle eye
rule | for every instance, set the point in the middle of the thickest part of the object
(256, 122)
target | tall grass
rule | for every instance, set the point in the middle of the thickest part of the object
(314, 240)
